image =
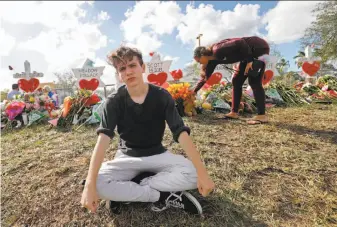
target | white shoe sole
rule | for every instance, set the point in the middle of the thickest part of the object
(194, 201)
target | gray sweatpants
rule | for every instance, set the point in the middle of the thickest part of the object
(173, 173)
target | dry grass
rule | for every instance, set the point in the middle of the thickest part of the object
(279, 174)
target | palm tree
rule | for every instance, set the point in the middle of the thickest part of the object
(282, 65)
(300, 54)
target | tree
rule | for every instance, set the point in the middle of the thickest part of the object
(323, 31)
(3, 95)
(65, 79)
(324, 65)
(282, 65)
(192, 71)
(274, 51)
(300, 54)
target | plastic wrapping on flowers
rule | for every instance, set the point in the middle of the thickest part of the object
(29, 105)
(77, 108)
(219, 98)
(305, 93)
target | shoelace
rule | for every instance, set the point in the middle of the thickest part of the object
(167, 205)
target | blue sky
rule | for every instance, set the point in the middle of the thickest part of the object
(173, 47)
(56, 36)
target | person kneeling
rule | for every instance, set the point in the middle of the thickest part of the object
(140, 112)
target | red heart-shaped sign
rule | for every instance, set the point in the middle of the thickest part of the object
(24, 85)
(28, 85)
(177, 74)
(157, 79)
(89, 84)
(215, 78)
(151, 54)
(311, 68)
(268, 75)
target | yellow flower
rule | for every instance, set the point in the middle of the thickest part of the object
(32, 99)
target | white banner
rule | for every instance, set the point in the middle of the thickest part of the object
(89, 72)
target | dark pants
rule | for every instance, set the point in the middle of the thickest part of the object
(255, 81)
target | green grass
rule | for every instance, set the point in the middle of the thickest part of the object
(279, 174)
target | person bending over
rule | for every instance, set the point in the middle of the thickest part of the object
(246, 51)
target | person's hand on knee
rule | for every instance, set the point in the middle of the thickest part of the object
(249, 66)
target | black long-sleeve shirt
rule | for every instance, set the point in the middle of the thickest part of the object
(141, 126)
(229, 51)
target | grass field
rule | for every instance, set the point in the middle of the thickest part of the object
(279, 174)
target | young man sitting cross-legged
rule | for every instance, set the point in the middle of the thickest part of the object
(140, 112)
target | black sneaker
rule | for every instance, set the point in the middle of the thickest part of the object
(182, 200)
(116, 207)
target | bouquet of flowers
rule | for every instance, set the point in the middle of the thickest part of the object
(179, 91)
(184, 98)
(77, 107)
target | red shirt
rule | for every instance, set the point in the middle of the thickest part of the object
(229, 51)
(239, 49)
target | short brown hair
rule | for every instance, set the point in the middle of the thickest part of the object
(202, 51)
(124, 53)
(15, 86)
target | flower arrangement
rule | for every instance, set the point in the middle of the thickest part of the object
(34, 107)
(184, 98)
(77, 107)
(179, 91)
(35, 101)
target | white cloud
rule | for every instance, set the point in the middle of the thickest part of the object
(216, 24)
(164, 18)
(288, 20)
(6, 79)
(63, 42)
(135, 19)
(7, 42)
(112, 41)
(189, 64)
(102, 16)
(160, 17)
(90, 3)
(146, 43)
(174, 59)
(81, 42)
(285, 23)
(108, 73)
(60, 15)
